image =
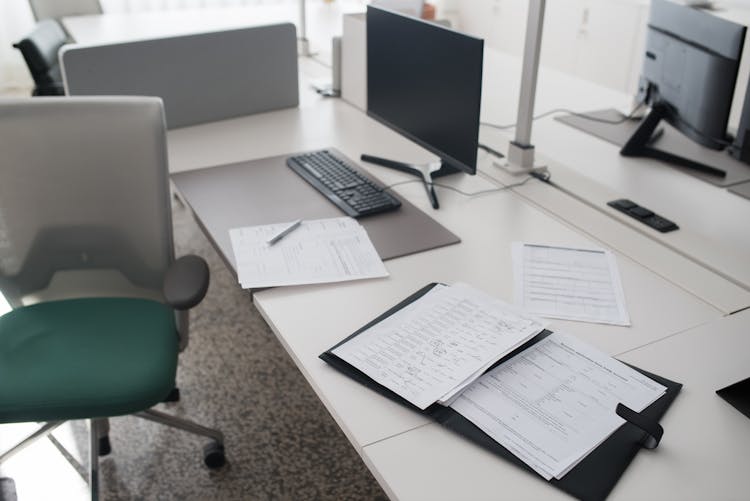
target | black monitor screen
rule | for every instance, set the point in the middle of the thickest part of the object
(425, 82)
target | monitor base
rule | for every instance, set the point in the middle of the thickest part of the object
(639, 144)
(426, 172)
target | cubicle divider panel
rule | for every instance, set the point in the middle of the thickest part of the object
(201, 77)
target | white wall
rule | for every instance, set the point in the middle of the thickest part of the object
(15, 21)
(598, 40)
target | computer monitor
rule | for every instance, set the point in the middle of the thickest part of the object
(425, 81)
(688, 78)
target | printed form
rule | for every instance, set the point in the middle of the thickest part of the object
(568, 283)
(430, 350)
(555, 402)
(322, 250)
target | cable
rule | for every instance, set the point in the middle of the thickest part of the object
(723, 142)
(574, 113)
(467, 194)
(489, 150)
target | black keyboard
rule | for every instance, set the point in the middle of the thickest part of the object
(338, 181)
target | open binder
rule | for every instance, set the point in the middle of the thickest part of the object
(595, 476)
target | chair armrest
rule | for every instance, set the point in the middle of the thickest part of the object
(186, 282)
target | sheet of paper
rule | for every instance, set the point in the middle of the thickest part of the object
(553, 403)
(427, 349)
(569, 283)
(322, 250)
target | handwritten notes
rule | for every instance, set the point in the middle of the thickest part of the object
(430, 350)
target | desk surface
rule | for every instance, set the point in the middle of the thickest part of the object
(668, 292)
(309, 319)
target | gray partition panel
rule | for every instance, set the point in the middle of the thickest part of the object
(267, 191)
(671, 141)
(742, 190)
(201, 77)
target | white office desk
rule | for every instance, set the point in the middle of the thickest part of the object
(713, 221)
(310, 319)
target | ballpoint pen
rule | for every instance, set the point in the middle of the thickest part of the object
(285, 232)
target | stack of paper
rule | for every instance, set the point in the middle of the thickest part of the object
(432, 349)
(323, 250)
(554, 403)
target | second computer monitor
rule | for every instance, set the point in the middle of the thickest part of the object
(690, 67)
(425, 82)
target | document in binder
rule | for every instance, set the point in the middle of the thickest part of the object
(588, 472)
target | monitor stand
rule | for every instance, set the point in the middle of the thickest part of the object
(425, 172)
(639, 144)
(738, 395)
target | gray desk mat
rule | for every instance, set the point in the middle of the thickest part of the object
(672, 141)
(742, 189)
(266, 191)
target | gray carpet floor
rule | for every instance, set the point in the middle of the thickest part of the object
(281, 443)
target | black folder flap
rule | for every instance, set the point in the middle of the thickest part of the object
(591, 479)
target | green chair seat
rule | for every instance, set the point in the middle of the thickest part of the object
(83, 358)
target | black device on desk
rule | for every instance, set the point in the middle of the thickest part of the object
(688, 78)
(425, 82)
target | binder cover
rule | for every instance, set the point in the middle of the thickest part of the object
(593, 478)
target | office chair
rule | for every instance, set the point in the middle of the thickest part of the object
(87, 263)
(56, 9)
(39, 50)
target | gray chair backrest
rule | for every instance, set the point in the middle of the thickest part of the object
(55, 9)
(201, 77)
(83, 186)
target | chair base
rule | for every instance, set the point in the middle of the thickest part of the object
(213, 453)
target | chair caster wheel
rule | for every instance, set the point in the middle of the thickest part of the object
(213, 455)
(104, 446)
(174, 395)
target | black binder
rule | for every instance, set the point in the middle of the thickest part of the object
(591, 479)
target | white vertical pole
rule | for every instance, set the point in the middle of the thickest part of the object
(521, 151)
(304, 43)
